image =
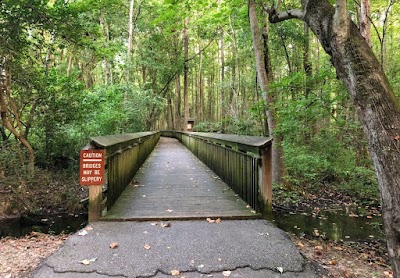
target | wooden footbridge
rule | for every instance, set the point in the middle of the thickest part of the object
(182, 175)
(176, 176)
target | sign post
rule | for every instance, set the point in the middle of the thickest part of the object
(92, 165)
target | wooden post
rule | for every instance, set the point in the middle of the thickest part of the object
(266, 178)
(95, 199)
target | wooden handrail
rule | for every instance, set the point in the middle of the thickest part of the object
(124, 154)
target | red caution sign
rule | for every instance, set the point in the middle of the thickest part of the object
(92, 167)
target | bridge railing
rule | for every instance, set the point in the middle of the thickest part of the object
(243, 162)
(124, 155)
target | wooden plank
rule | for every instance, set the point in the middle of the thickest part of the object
(95, 200)
(174, 184)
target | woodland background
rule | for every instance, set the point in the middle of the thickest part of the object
(75, 69)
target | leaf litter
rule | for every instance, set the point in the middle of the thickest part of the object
(20, 256)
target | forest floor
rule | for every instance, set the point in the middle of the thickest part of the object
(20, 256)
(340, 258)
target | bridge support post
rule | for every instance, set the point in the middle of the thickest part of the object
(95, 200)
(266, 178)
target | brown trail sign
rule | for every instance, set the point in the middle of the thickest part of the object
(92, 167)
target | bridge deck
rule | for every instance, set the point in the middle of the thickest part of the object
(174, 184)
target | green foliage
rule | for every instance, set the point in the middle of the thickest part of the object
(116, 109)
(9, 162)
(69, 61)
(321, 137)
(244, 126)
(208, 127)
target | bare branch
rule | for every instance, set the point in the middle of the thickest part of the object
(278, 5)
(275, 16)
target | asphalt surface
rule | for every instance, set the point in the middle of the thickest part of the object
(231, 248)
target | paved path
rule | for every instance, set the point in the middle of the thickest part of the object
(174, 184)
(248, 248)
(252, 248)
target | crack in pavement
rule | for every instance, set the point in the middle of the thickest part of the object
(84, 272)
(168, 273)
(242, 267)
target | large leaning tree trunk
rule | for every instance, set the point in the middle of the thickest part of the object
(261, 68)
(377, 107)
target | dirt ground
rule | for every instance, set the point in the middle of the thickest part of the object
(345, 259)
(20, 256)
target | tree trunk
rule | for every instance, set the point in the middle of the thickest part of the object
(178, 117)
(201, 89)
(7, 104)
(365, 24)
(210, 100)
(384, 33)
(267, 60)
(267, 97)
(185, 76)
(223, 97)
(130, 40)
(170, 113)
(106, 34)
(377, 107)
(306, 60)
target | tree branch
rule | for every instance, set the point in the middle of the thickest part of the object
(201, 50)
(276, 16)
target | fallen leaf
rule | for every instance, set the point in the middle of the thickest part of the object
(280, 269)
(226, 273)
(113, 245)
(218, 220)
(165, 225)
(369, 217)
(387, 273)
(318, 252)
(332, 262)
(153, 224)
(253, 211)
(169, 210)
(88, 261)
(299, 244)
(209, 220)
(146, 246)
(89, 228)
(82, 233)
(248, 206)
(175, 272)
